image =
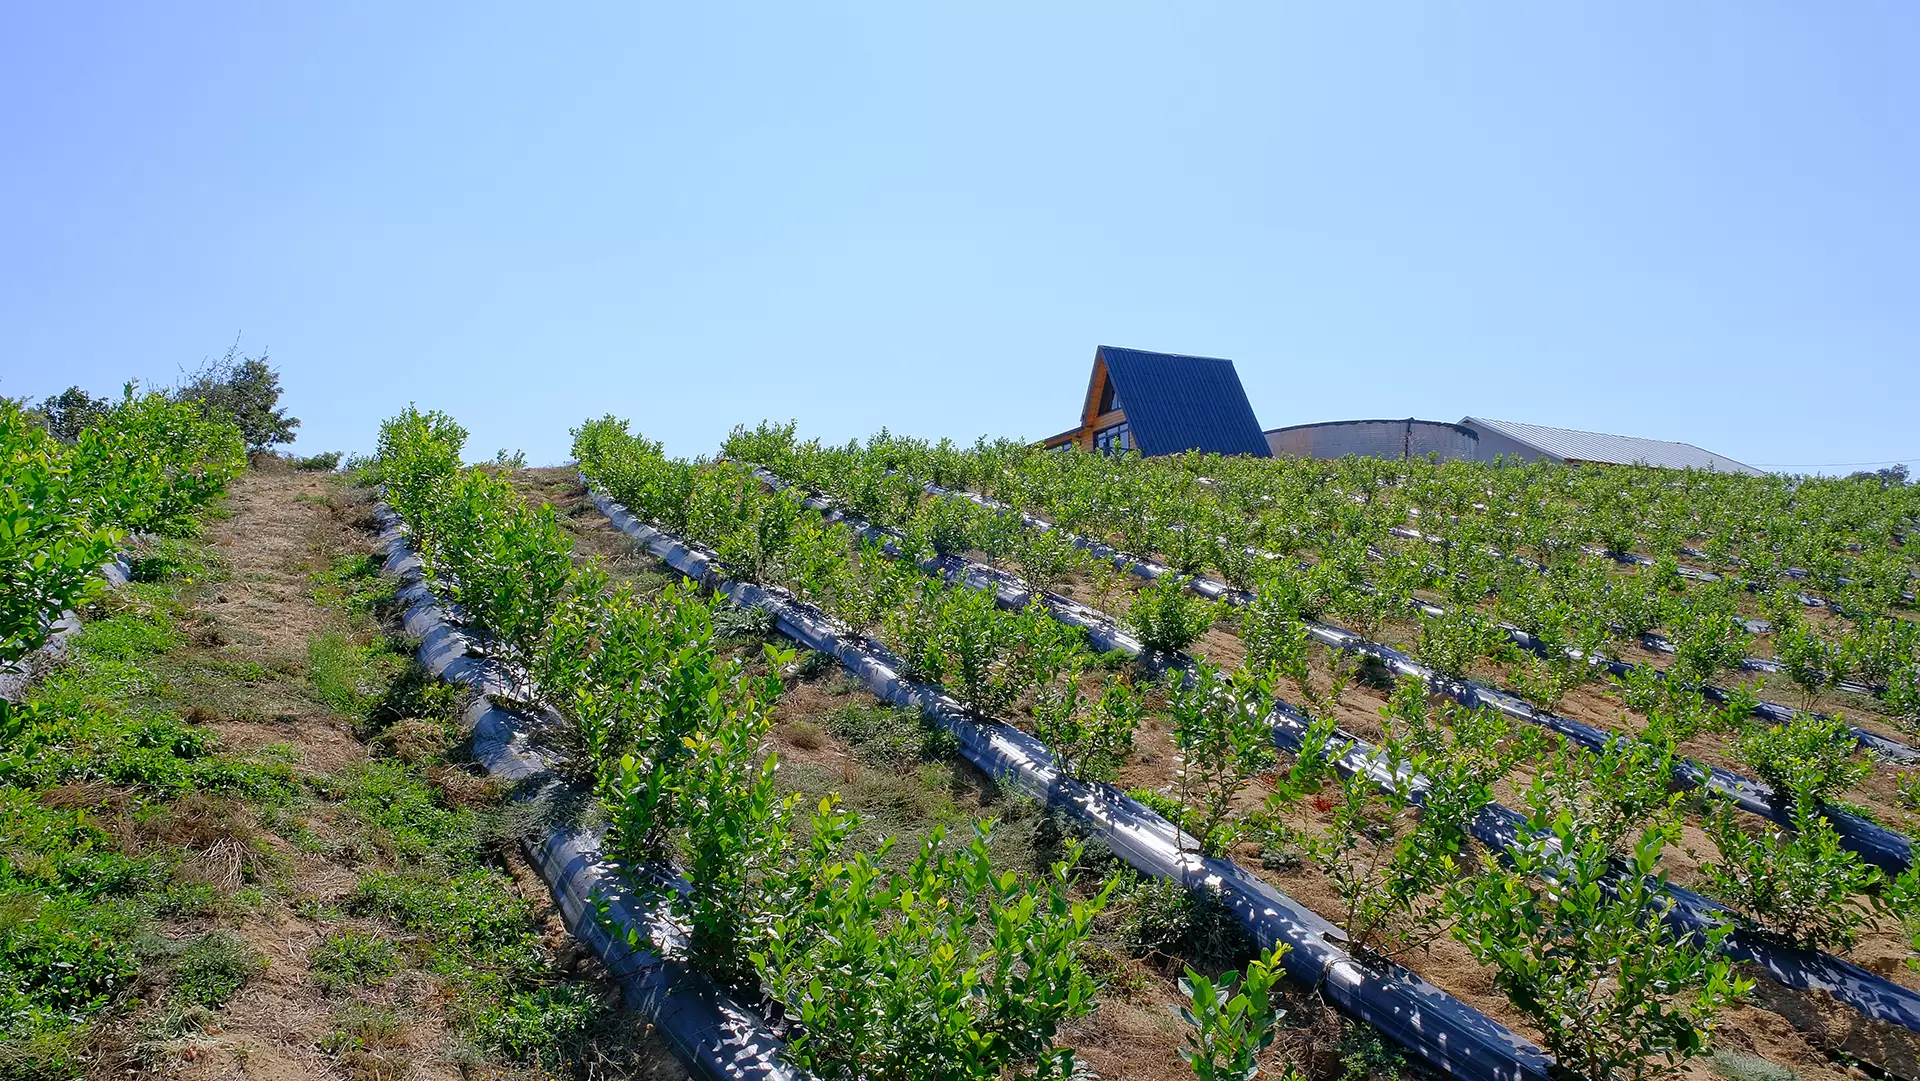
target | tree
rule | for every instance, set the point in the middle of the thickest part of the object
(1891, 477)
(246, 389)
(70, 412)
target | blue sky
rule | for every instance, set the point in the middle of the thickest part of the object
(1689, 221)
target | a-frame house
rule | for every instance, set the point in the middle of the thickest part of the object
(1163, 403)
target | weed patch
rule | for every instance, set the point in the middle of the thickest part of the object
(350, 678)
(532, 1026)
(402, 816)
(889, 738)
(352, 959)
(370, 1043)
(213, 968)
(354, 584)
(1192, 926)
(473, 928)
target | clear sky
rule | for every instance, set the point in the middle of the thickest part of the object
(1691, 221)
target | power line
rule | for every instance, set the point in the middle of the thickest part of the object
(1833, 465)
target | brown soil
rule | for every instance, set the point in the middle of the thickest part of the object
(279, 527)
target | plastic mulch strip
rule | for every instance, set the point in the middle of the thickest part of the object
(1888, 849)
(711, 1033)
(16, 678)
(1496, 826)
(1439, 1029)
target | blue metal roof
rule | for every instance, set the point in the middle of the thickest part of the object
(1175, 403)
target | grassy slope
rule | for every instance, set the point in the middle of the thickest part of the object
(237, 839)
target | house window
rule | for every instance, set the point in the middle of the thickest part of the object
(1109, 399)
(1113, 440)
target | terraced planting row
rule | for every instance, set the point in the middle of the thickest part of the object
(147, 466)
(1462, 643)
(908, 761)
(1359, 519)
(683, 504)
(237, 836)
(1838, 893)
(966, 967)
(1495, 826)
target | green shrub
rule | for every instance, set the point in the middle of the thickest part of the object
(144, 464)
(1903, 897)
(1167, 618)
(947, 969)
(1393, 853)
(1089, 741)
(1233, 1020)
(325, 462)
(1612, 795)
(1800, 882)
(1573, 949)
(1449, 644)
(1708, 634)
(1220, 728)
(1809, 759)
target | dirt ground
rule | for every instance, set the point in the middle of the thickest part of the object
(278, 528)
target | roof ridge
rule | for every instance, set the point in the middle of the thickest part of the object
(1586, 431)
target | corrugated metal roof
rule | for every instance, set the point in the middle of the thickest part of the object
(1570, 445)
(1175, 403)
